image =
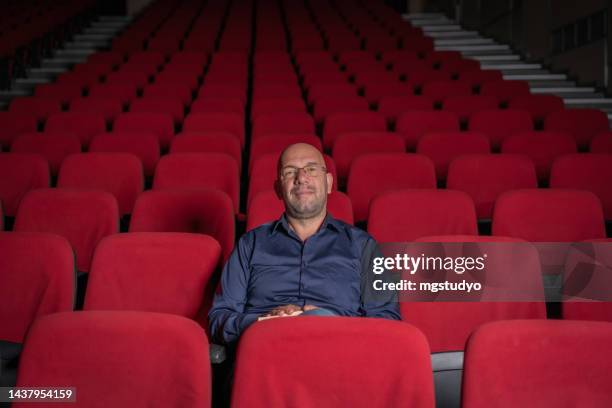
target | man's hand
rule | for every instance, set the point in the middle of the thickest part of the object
(285, 310)
(308, 308)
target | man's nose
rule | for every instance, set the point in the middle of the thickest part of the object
(301, 176)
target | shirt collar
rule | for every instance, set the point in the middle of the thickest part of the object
(328, 222)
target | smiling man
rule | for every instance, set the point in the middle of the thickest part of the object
(305, 263)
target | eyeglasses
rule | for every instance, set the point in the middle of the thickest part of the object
(312, 170)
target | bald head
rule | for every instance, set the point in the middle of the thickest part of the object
(299, 152)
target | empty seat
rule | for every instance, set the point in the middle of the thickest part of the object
(283, 122)
(406, 215)
(82, 217)
(41, 108)
(199, 170)
(602, 143)
(110, 108)
(161, 91)
(83, 125)
(152, 272)
(537, 105)
(169, 105)
(393, 106)
(349, 146)
(443, 147)
(64, 92)
(124, 351)
(267, 207)
(122, 92)
(53, 147)
(120, 174)
(505, 90)
(440, 90)
(144, 145)
(305, 344)
(20, 173)
(276, 143)
(413, 125)
(14, 124)
(275, 105)
(553, 215)
(541, 147)
(485, 177)
(525, 353)
(158, 123)
(218, 105)
(478, 77)
(208, 143)
(465, 106)
(339, 123)
(37, 275)
(216, 121)
(202, 211)
(591, 172)
(583, 124)
(328, 106)
(372, 174)
(499, 124)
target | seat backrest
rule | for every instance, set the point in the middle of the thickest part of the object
(485, 177)
(37, 277)
(537, 105)
(602, 143)
(144, 145)
(406, 215)
(414, 124)
(124, 351)
(303, 345)
(592, 172)
(216, 121)
(20, 173)
(120, 174)
(339, 123)
(202, 211)
(583, 124)
(165, 272)
(276, 143)
(499, 124)
(160, 124)
(82, 217)
(203, 142)
(282, 122)
(13, 124)
(549, 215)
(510, 364)
(83, 125)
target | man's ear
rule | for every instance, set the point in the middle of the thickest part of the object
(330, 182)
(278, 189)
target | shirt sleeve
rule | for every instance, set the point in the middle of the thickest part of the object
(383, 304)
(227, 319)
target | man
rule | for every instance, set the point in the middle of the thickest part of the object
(305, 262)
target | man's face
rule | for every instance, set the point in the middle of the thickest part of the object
(303, 182)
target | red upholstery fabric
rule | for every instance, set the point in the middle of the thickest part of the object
(549, 215)
(219, 105)
(443, 147)
(537, 105)
(485, 177)
(152, 272)
(159, 123)
(199, 170)
(140, 356)
(510, 364)
(349, 146)
(110, 108)
(336, 104)
(82, 217)
(465, 106)
(154, 104)
(54, 147)
(20, 173)
(592, 172)
(13, 124)
(413, 125)
(36, 278)
(83, 125)
(144, 145)
(505, 90)
(41, 108)
(440, 90)
(292, 351)
(63, 92)
(203, 211)
(125, 92)
(120, 174)
(282, 122)
(479, 77)
(541, 147)
(406, 215)
(266, 207)
(274, 105)
(393, 106)
(583, 124)
(339, 123)
(602, 143)
(500, 124)
(448, 325)
(128, 77)
(202, 143)
(215, 121)
(372, 174)
(264, 173)
(162, 91)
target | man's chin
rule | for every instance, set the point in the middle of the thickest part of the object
(305, 213)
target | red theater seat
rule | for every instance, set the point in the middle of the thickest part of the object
(13, 124)
(41, 108)
(465, 106)
(276, 143)
(20, 173)
(394, 106)
(83, 125)
(328, 106)
(82, 217)
(160, 124)
(583, 124)
(110, 108)
(413, 125)
(144, 145)
(169, 105)
(499, 124)
(339, 123)
(602, 143)
(505, 90)
(202, 211)
(208, 143)
(216, 121)
(537, 105)
(303, 345)
(124, 351)
(283, 122)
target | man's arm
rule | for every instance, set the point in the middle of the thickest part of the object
(383, 304)
(226, 317)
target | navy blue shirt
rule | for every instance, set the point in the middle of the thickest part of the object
(271, 267)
